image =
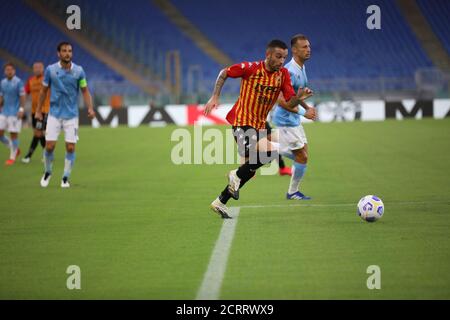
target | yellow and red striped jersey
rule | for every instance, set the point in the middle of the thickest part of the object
(259, 91)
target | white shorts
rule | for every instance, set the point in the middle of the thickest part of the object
(10, 123)
(291, 138)
(55, 125)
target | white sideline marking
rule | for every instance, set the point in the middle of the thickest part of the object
(212, 280)
(336, 204)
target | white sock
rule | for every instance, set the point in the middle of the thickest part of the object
(298, 170)
(13, 146)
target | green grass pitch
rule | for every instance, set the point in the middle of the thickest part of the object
(139, 227)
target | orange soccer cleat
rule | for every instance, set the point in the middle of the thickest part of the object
(286, 171)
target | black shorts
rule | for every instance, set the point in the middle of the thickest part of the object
(247, 138)
(39, 125)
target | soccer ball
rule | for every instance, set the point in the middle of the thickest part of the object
(370, 208)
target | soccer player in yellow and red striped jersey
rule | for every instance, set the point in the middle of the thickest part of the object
(33, 87)
(261, 84)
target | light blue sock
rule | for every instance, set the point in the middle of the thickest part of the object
(4, 140)
(48, 161)
(68, 164)
(297, 175)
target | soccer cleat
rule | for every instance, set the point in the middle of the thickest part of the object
(45, 180)
(297, 196)
(26, 160)
(65, 183)
(9, 162)
(233, 184)
(221, 209)
(286, 171)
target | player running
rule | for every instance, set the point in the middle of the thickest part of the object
(12, 102)
(292, 138)
(65, 79)
(33, 87)
(261, 85)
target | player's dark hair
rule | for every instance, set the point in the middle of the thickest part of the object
(296, 38)
(8, 64)
(276, 44)
(61, 44)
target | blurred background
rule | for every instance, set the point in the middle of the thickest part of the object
(156, 52)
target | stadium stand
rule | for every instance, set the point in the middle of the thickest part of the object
(347, 56)
(29, 37)
(146, 34)
(342, 45)
(437, 13)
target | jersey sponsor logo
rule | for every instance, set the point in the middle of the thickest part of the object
(265, 89)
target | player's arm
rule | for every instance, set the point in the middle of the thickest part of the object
(283, 103)
(42, 95)
(239, 70)
(22, 100)
(292, 99)
(88, 102)
(213, 102)
(86, 95)
(299, 99)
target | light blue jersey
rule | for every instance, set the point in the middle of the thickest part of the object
(65, 85)
(282, 117)
(11, 90)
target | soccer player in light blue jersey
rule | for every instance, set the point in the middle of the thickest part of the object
(12, 102)
(65, 79)
(292, 138)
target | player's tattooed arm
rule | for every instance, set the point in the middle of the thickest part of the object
(213, 102)
(283, 103)
(292, 105)
(302, 94)
(220, 81)
(42, 95)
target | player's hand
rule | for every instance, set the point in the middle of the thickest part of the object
(20, 114)
(38, 115)
(212, 103)
(310, 113)
(91, 113)
(304, 93)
